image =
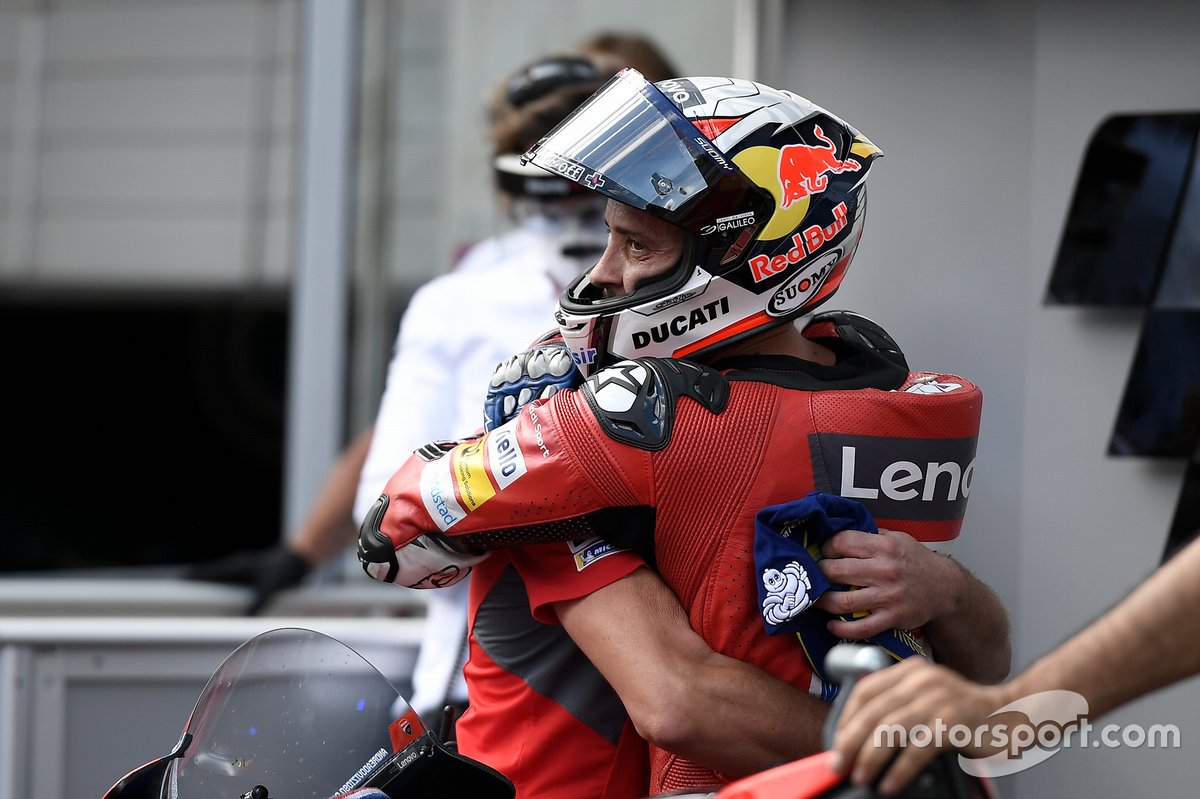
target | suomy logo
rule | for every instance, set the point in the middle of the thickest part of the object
(714, 152)
(802, 286)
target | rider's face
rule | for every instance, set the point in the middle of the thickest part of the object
(641, 247)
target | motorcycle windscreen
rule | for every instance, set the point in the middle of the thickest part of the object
(296, 712)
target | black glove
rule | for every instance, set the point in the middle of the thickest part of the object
(265, 571)
(853, 326)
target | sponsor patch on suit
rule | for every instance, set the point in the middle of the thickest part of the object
(589, 550)
(437, 492)
(473, 484)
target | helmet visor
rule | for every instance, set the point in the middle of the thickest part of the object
(629, 142)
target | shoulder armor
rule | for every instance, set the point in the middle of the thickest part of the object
(634, 401)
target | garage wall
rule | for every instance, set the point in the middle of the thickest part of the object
(983, 110)
(147, 145)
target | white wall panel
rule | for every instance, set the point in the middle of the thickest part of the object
(22, 43)
(186, 106)
(7, 79)
(130, 31)
(150, 251)
(166, 139)
(157, 175)
(278, 245)
(1095, 525)
(10, 34)
(983, 110)
(280, 85)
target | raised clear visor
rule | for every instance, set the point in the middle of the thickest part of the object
(629, 142)
(294, 711)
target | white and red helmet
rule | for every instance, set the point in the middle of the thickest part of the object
(768, 187)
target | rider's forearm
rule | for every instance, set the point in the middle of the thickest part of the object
(973, 636)
(681, 695)
(735, 719)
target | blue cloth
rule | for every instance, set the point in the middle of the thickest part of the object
(787, 549)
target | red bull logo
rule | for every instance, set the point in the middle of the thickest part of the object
(811, 241)
(803, 168)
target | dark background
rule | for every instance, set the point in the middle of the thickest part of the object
(140, 430)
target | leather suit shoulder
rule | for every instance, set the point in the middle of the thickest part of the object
(634, 401)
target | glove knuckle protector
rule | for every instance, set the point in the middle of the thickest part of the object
(537, 373)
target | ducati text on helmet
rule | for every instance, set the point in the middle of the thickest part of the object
(768, 188)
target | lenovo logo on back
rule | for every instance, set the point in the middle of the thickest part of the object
(897, 478)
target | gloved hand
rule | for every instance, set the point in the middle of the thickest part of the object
(536, 373)
(265, 571)
(855, 327)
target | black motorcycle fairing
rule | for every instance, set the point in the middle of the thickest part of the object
(146, 781)
(428, 769)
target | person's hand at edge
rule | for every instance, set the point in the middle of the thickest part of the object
(265, 572)
(910, 694)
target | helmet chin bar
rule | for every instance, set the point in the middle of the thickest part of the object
(585, 316)
(583, 336)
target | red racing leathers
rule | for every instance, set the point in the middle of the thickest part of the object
(540, 713)
(674, 459)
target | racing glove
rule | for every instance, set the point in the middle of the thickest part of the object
(537, 373)
(265, 572)
(431, 560)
